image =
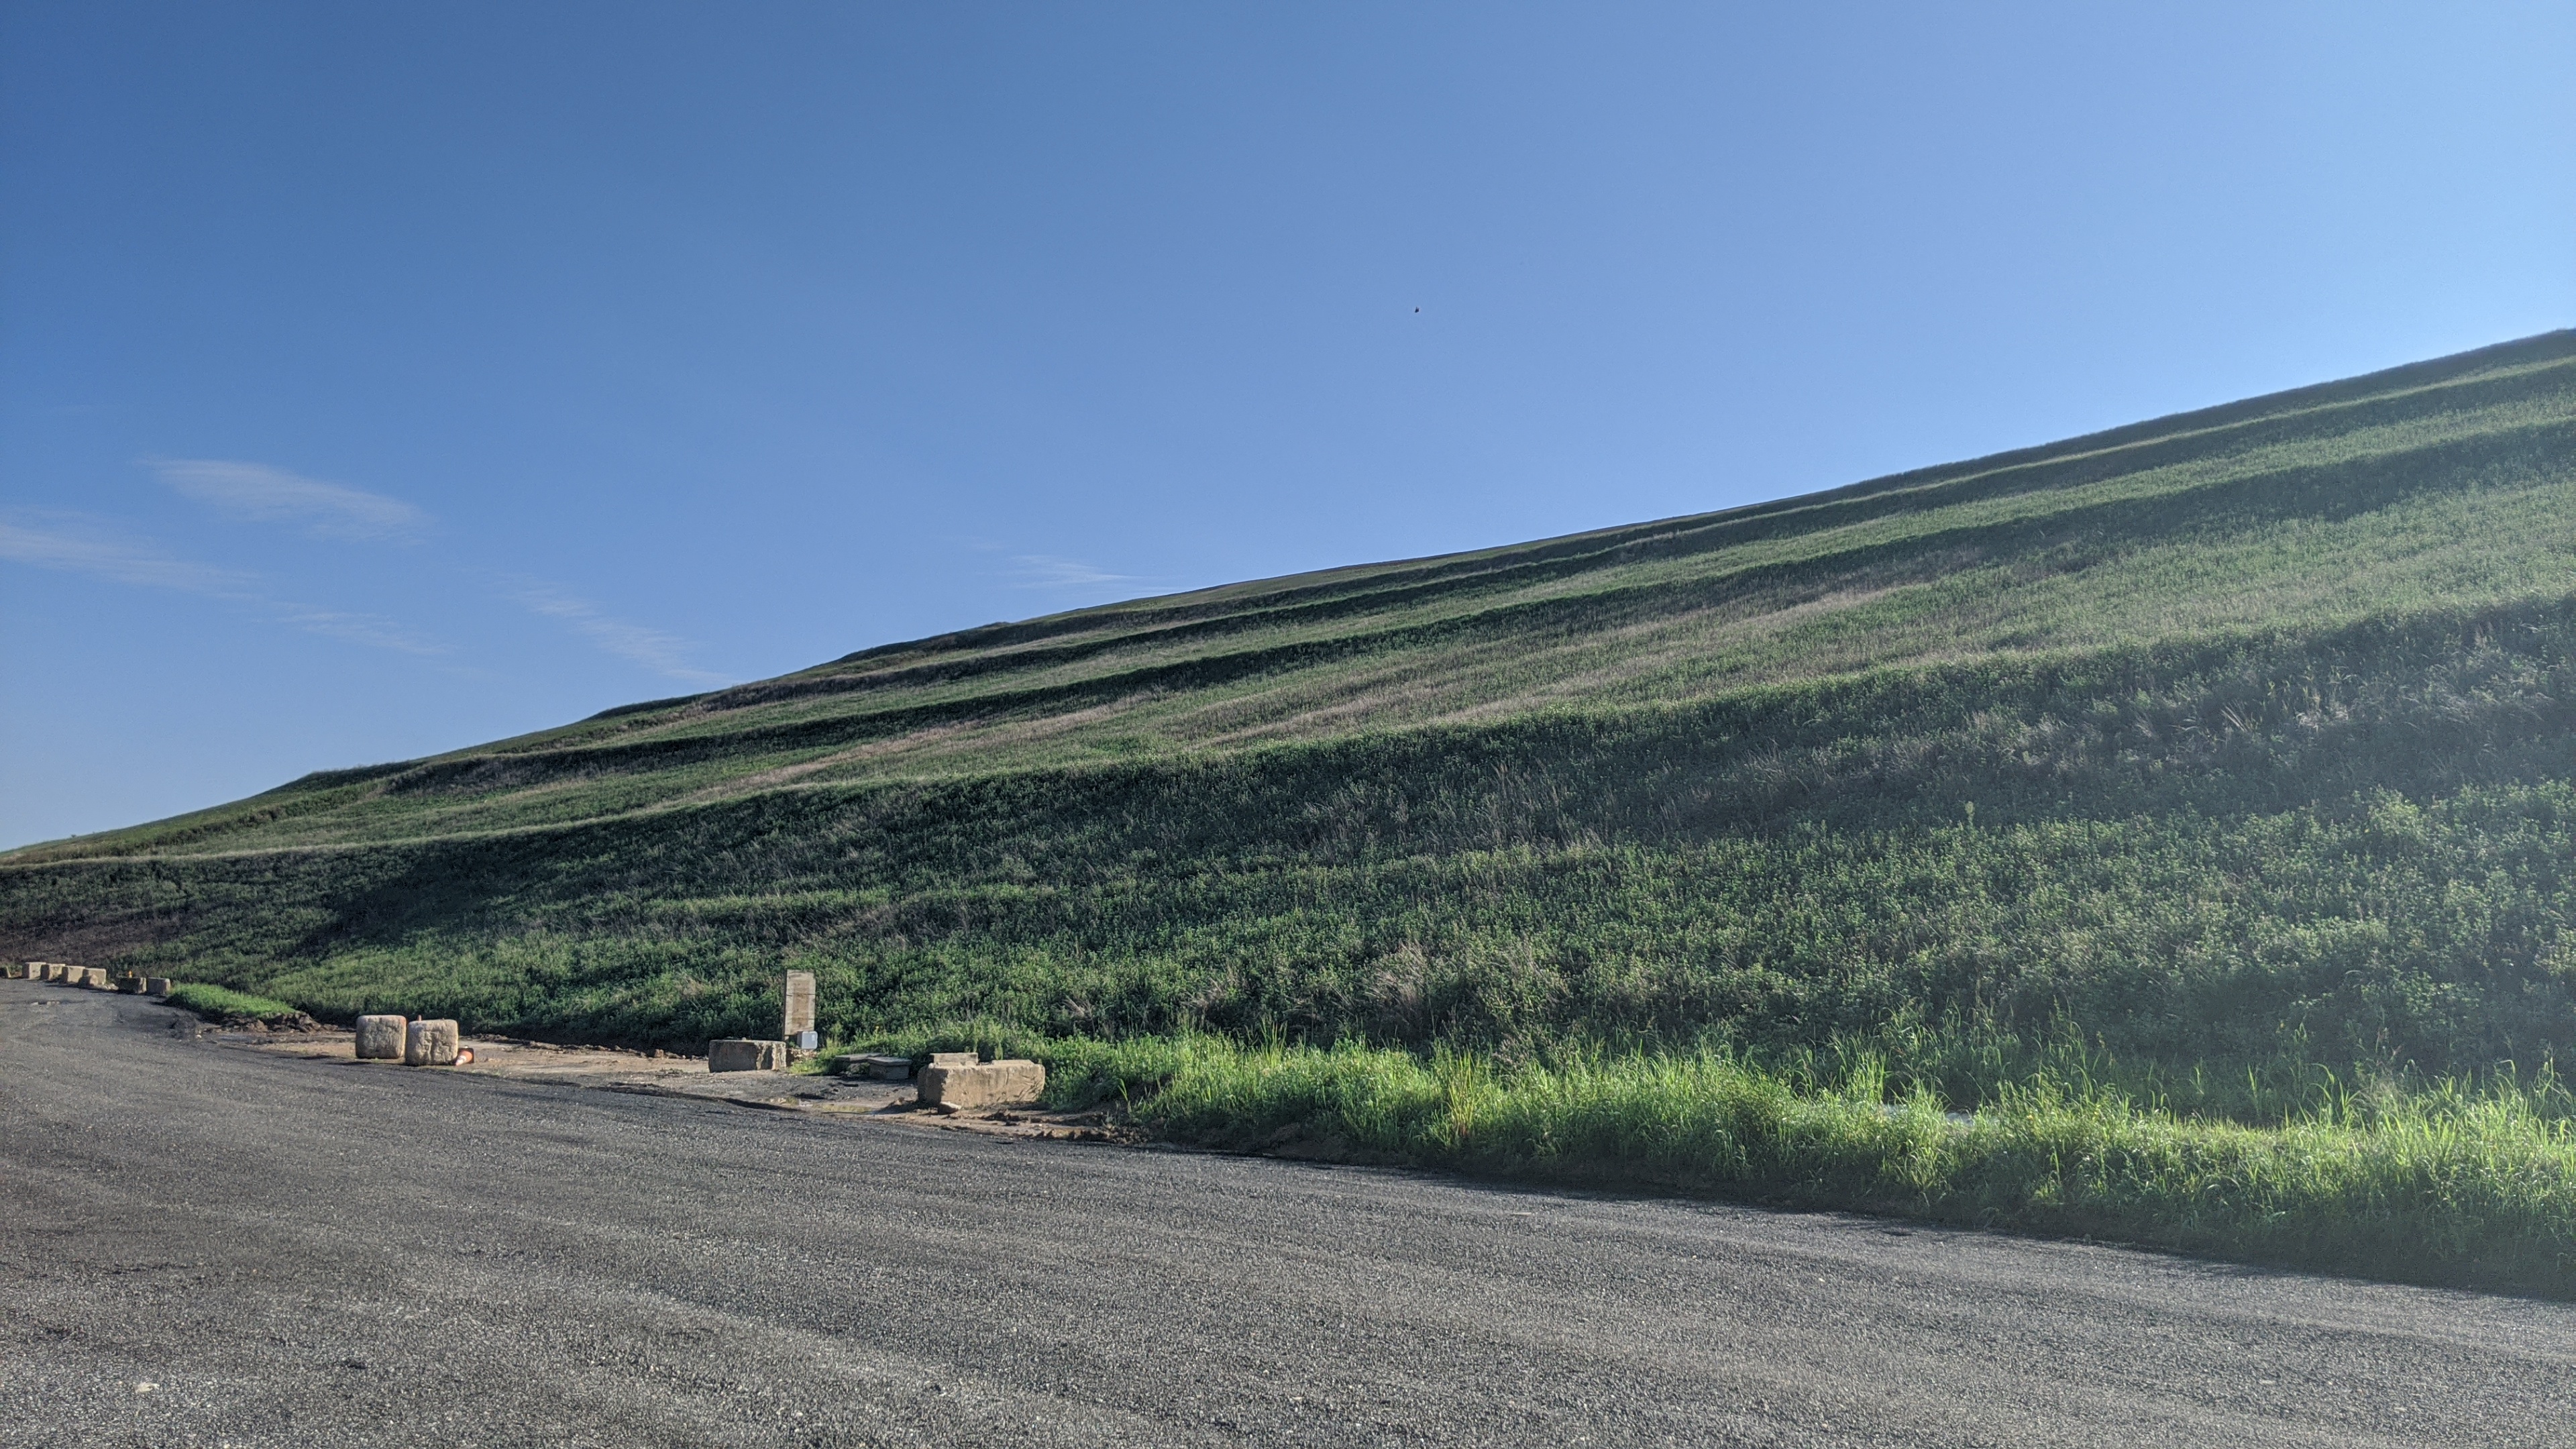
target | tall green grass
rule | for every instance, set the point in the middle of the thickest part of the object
(2446, 1182)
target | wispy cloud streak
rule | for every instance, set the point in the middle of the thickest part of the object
(665, 654)
(1044, 571)
(80, 546)
(88, 550)
(257, 491)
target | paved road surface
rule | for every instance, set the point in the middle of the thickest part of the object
(310, 1253)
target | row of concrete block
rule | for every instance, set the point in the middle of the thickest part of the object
(93, 977)
(413, 1043)
(952, 1079)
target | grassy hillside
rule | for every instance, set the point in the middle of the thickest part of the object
(2226, 763)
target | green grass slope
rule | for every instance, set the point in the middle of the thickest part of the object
(2224, 763)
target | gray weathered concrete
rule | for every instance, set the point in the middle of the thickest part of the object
(988, 1084)
(381, 1038)
(877, 1068)
(746, 1054)
(430, 1044)
(800, 1004)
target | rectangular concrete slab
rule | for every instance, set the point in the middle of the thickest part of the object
(746, 1054)
(156, 985)
(877, 1068)
(382, 1038)
(430, 1044)
(991, 1084)
(955, 1059)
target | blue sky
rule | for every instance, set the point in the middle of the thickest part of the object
(380, 380)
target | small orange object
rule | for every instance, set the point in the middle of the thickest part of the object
(464, 1056)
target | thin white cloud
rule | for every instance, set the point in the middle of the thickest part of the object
(255, 490)
(1043, 571)
(79, 549)
(665, 654)
(373, 630)
(82, 546)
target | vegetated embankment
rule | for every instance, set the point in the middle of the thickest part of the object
(2163, 834)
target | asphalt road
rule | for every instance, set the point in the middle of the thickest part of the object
(204, 1245)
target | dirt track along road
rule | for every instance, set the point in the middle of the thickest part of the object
(205, 1245)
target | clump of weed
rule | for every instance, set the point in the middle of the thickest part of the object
(239, 1008)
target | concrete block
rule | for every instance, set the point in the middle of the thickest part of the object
(746, 1054)
(95, 978)
(954, 1059)
(130, 985)
(53, 970)
(800, 1004)
(156, 985)
(991, 1084)
(878, 1068)
(13, 970)
(430, 1044)
(382, 1038)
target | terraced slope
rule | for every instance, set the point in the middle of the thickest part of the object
(2234, 734)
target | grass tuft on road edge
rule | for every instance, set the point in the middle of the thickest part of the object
(220, 1003)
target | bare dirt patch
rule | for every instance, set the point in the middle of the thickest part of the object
(616, 1069)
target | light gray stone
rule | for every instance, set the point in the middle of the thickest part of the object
(746, 1054)
(130, 985)
(382, 1038)
(156, 985)
(800, 1004)
(94, 977)
(990, 1084)
(430, 1044)
(877, 1068)
(954, 1059)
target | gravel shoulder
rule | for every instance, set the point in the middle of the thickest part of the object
(203, 1242)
